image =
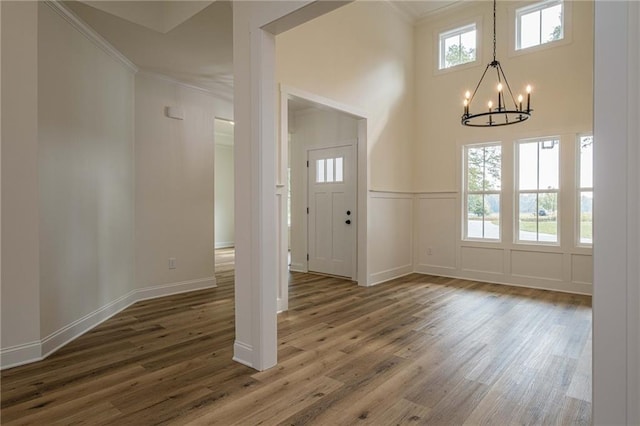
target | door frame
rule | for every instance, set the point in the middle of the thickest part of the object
(361, 185)
(353, 144)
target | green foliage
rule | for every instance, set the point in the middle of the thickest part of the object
(556, 34)
(458, 54)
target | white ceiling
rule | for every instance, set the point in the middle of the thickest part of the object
(189, 41)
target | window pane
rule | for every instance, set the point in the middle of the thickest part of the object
(329, 169)
(492, 168)
(549, 164)
(492, 216)
(548, 217)
(552, 23)
(586, 162)
(528, 165)
(475, 215)
(475, 166)
(320, 171)
(468, 42)
(458, 46)
(586, 217)
(339, 169)
(528, 218)
(530, 29)
(452, 51)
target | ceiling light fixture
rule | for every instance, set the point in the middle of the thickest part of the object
(503, 114)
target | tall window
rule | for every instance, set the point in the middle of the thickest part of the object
(585, 190)
(538, 183)
(539, 23)
(483, 164)
(458, 46)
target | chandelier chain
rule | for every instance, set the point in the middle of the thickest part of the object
(494, 30)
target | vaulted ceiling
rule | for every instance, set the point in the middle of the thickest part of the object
(190, 41)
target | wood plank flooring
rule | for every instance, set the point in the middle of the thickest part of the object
(417, 350)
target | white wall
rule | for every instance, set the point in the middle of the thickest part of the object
(223, 206)
(311, 128)
(20, 292)
(563, 103)
(174, 184)
(85, 119)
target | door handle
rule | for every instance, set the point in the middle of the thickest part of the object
(348, 221)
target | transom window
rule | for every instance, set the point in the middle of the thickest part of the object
(483, 182)
(538, 183)
(539, 23)
(458, 46)
(585, 190)
(329, 170)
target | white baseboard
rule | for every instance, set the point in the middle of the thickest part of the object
(243, 353)
(14, 356)
(297, 267)
(510, 280)
(224, 244)
(389, 274)
(36, 351)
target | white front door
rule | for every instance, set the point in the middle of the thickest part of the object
(332, 214)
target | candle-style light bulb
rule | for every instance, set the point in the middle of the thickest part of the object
(528, 88)
(499, 96)
(490, 104)
(499, 87)
(520, 101)
(466, 106)
(467, 95)
(528, 97)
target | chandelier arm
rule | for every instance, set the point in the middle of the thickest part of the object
(508, 87)
(479, 83)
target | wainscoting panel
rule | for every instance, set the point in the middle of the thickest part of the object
(476, 259)
(531, 264)
(581, 269)
(390, 236)
(436, 229)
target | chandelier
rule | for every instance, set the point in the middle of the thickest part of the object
(507, 110)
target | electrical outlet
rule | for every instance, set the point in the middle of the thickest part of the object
(429, 251)
(172, 263)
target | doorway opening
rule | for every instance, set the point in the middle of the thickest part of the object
(223, 220)
(323, 204)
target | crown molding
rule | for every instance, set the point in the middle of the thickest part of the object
(84, 29)
(406, 16)
(223, 93)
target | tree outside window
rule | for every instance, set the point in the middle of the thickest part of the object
(482, 191)
(458, 46)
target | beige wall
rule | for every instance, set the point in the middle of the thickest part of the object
(85, 125)
(174, 182)
(360, 55)
(20, 292)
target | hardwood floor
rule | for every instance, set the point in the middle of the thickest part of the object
(417, 350)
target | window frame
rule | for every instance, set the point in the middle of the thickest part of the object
(514, 31)
(517, 192)
(580, 189)
(466, 192)
(451, 28)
